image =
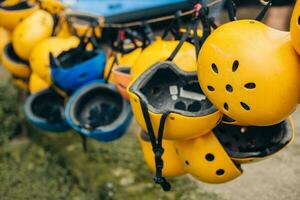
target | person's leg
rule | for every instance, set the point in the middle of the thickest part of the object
(279, 15)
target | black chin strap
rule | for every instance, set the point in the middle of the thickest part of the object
(157, 148)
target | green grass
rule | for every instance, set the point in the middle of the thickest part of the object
(39, 165)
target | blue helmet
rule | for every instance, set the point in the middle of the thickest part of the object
(98, 111)
(45, 110)
(75, 68)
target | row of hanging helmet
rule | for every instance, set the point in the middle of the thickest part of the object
(207, 100)
(58, 60)
(228, 104)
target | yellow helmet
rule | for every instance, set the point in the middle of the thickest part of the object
(15, 65)
(206, 160)
(172, 164)
(13, 12)
(40, 55)
(31, 31)
(173, 85)
(121, 73)
(295, 29)
(250, 72)
(5, 39)
(52, 6)
(160, 50)
(37, 84)
(246, 144)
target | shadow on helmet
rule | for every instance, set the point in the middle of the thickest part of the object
(15, 65)
(98, 111)
(45, 110)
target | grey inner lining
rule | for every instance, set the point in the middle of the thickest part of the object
(164, 87)
(98, 108)
(49, 106)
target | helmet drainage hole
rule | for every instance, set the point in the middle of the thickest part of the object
(220, 172)
(211, 88)
(229, 88)
(215, 68)
(235, 65)
(250, 85)
(245, 106)
(209, 157)
(226, 106)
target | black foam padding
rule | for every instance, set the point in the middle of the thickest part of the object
(49, 106)
(98, 108)
(153, 86)
(253, 141)
(9, 51)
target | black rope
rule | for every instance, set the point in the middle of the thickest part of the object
(231, 7)
(263, 13)
(157, 148)
(181, 42)
(115, 61)
(84, 142)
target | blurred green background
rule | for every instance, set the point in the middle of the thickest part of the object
(39, 165)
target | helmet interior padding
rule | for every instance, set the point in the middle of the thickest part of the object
(97, 108)
(165, 87)
(49, 106)
(253, 141)
(68, 59)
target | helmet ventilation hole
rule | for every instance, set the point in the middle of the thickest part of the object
(245, 106)
(229, 88)
(211, 88)
(209, 157)
(250, 85)
(220, 172)
(226, 106)
(194, 107)
(180, 105)
(187, 162)
(235, 65)
(215, 68)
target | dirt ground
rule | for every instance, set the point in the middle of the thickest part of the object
(276, 178)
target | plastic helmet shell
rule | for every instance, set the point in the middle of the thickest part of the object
(11, 15)
(160, 50)
(72, 77)
(294, 27)
(16, 66)
(31, 31)
(40, 59)
(206, 160)
(166, 87)
(37, 84)
(45, 110)
(172, 164)
(98, 111)
(5, 36)
(121, 74)
(250, 72)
